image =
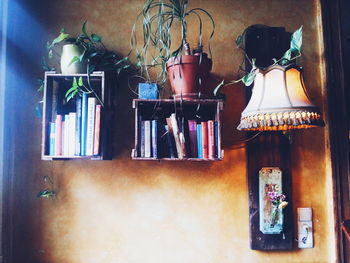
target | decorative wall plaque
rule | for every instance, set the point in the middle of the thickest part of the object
(270, 198)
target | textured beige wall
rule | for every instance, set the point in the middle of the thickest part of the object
(153, 212)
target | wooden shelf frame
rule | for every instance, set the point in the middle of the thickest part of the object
(210, 109)
(102, 86)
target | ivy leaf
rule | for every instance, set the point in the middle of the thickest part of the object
(96, 38)
(72, 94)
(62, 36)
(45, 194)
(74, 60)
(297, 40)
(38, 111)
(286, 57)
(91, 68)
(83, 29)
(239, 41)
(44, 65)
(122, 68)
(50, 53)
(218, 87)
(80, 82)
(249, 78)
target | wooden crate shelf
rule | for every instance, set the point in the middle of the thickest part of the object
(160, 109)
(61, 83)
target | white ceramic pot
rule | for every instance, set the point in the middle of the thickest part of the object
(69, 51)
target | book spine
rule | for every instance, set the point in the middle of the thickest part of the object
(54, 101)
(58, 138)
(216, 139)
(148, 142)
(219, 141)
(205, 139)
(97, 129)
(142, 139)
(78, 127)
(192, 130)
(154, 138)
(84, 109)
(175, 131)
(65, 135)
(199, 141)
(52, 138)
(71, 133)
(90, 126)
(211, 139)
(169, 142)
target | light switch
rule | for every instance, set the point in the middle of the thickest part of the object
(305, 231)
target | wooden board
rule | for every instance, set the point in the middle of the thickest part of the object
(269, 150)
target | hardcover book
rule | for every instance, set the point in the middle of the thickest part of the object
(170, 142)
(211, 139)
(174, 130)
(205, 140)
(154, 136)
(58, 138)
(199, 141)
(97, 129)
(71, 133)
(192, 131)
(84, 109)
(90, 126)
(52, 138)
(65, 135)
(148, 138)
(142, 139)
(78, 126)
(216, 138)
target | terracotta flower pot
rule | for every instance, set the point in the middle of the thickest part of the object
(184, 75)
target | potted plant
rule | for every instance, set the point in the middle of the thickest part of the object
(83, 53)
(185, 70)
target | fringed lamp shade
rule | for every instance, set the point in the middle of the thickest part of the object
(279, 102)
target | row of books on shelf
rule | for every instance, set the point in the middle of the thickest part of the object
(76, 133)
(179, 138)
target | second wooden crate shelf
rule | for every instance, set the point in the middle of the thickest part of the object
(177, 130)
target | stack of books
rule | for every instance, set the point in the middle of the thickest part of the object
(179, 138)
(76, 133)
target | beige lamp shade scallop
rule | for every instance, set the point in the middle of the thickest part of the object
(279, 102)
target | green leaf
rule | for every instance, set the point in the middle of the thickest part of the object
(45, 194)
(83, 29)
(71, 95)
(239, 41)
(80, 82)
(249, 78)
(74, 60)
(297, 40)
(38, 111)
(50, 53)
(91, 68)
(96, 38)
(218, 87)
(286, 57)
(70, 91)
(62, 36)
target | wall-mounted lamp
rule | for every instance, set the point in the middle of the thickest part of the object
(279, 102)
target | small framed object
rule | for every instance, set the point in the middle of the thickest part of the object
(270, 198)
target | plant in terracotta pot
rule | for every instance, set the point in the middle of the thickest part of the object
(186, 70)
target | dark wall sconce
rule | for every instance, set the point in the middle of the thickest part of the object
(278, 102)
